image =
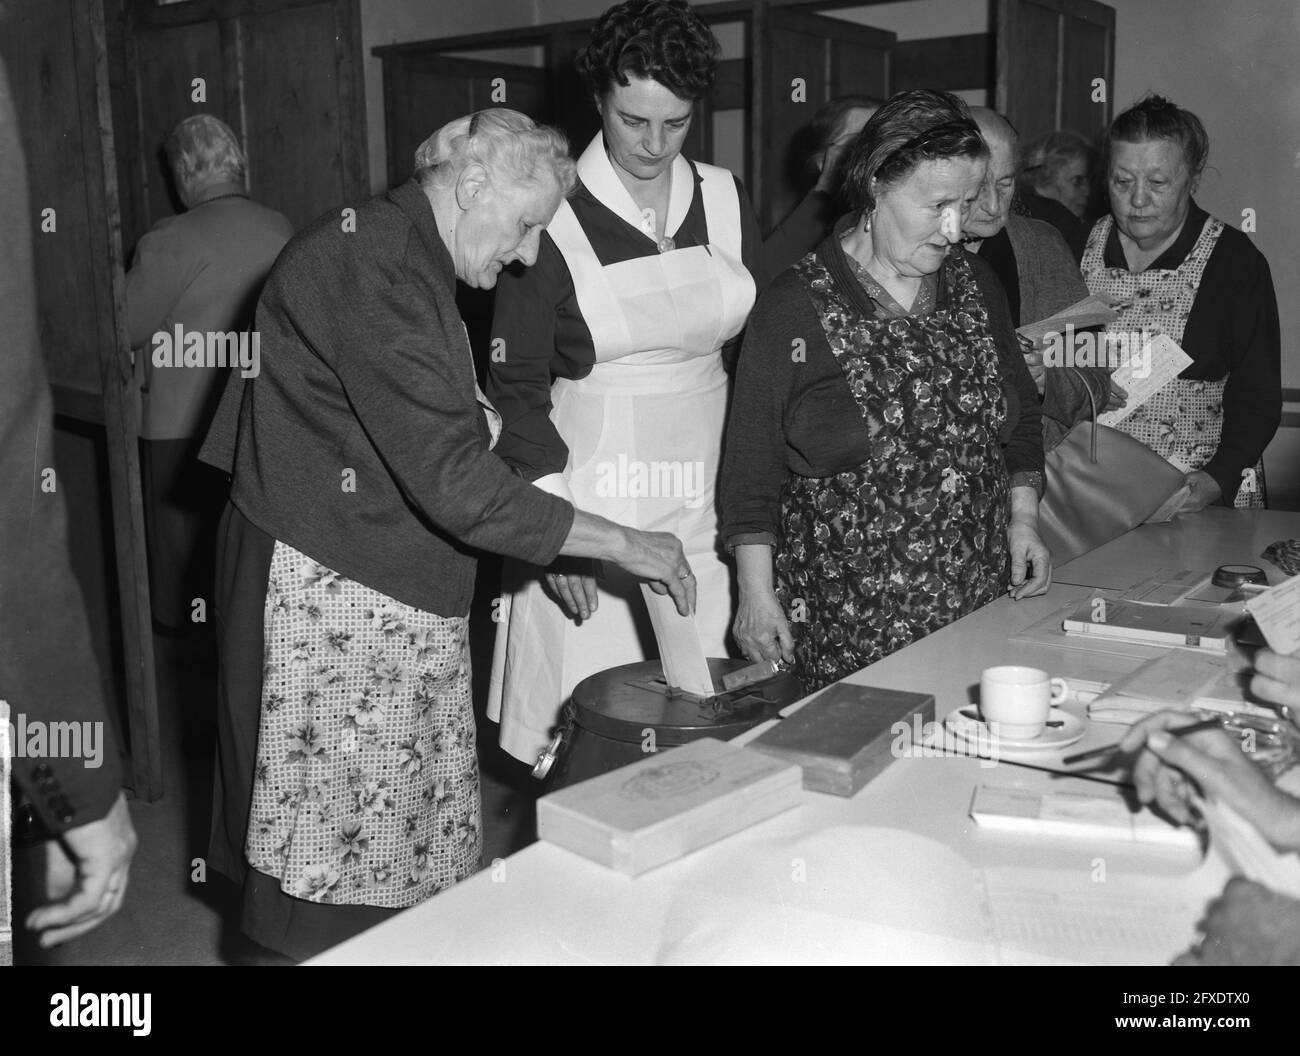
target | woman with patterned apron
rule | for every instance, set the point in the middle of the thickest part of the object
(618, 333)
(1173, 269)
(894, 459)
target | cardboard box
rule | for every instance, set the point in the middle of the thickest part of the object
(667, 804)
(842, 738)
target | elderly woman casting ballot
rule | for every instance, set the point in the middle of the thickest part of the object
(884, 437)
(1176, 270)
(363, 483)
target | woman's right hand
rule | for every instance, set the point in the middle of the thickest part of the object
(658, 558)
(1218, 766)
(761, 629)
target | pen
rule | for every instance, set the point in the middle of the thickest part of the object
(1204, 724)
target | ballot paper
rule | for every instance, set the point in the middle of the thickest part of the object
(1091, 311)
(685, 665)
(1143, 375)
(1277, 611)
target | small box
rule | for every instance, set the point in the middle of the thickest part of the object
(667, 804)
(842, 739)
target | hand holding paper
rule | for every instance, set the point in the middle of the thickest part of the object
(1143, 372)
(1091, 311)
(685, 665)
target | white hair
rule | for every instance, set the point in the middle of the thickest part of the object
(508, 144)
(202, 149)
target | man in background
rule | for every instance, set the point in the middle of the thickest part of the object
(200, 271)
(1040, 277)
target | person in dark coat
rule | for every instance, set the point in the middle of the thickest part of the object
(48, 672)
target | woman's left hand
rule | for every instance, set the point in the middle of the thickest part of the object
(1204, 490)
(573, 583)
(1031, 561)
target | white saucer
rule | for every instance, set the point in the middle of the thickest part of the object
(978, 735)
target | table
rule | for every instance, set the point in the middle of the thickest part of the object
(1214, 536)
(546, 905)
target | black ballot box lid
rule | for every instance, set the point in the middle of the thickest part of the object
(624, 702)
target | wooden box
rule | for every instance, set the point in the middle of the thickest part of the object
(842, 738)
(667, 804)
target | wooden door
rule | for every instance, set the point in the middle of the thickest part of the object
(423, 91)
(804, 61)
(284, 74)
(1050, 56)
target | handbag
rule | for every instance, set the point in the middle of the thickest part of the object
(1100, 484)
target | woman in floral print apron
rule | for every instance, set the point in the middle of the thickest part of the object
(364, 485)
(1171, 268)
(896, 466)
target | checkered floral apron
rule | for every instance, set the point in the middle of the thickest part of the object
(366, 788)
(1184, 420)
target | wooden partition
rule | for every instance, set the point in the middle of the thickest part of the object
(1036, 63)
(284, 74)
(57, 55)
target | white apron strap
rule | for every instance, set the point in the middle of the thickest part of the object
(597, 300)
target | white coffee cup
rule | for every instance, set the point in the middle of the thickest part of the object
(1015, 701)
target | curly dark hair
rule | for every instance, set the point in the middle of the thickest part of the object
(1155, 117)
(917, 125)
(661, 39)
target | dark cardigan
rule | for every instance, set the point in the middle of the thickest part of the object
(802, 418)
(361, 443)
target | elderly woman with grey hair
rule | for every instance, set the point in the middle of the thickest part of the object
(199, 271)
(364, 482)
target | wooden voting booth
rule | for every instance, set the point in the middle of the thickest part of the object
(97, 84)
(1037, 63)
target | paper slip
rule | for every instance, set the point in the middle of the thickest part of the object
(1143, 375)
(1170, 506)
(685, 665)
(1091, 311)
(1247, 851)
(1277, 611)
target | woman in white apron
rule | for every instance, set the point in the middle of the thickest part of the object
(607, 363)
(1172, 268)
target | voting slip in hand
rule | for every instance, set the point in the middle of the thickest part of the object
(1157, 363)
(1170, 507)
(685, 665)
(1091, 311)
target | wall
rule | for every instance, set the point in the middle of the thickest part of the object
(922, 19)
